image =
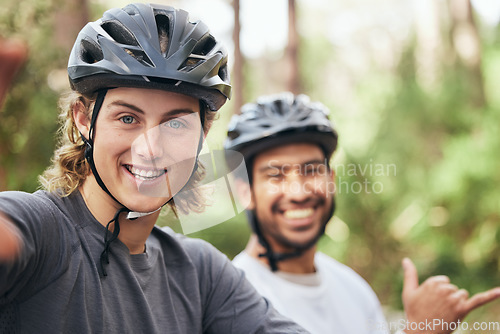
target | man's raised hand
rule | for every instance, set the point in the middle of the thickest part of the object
(436, 301)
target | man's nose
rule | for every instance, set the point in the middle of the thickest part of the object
(297, 188)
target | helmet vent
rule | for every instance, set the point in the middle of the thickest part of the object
(233, 134)
(163, 26)
(204, 45)
(190, 63)
(140, 56)
(224, 73)
(119, 33)
(90, 51)
(280, 108)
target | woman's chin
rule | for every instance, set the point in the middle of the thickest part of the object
(161, 187)
(147, 204)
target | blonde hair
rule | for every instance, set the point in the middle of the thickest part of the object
(69, 168)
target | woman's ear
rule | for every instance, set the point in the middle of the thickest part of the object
(81, 118)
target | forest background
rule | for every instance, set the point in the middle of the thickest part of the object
(412, 86)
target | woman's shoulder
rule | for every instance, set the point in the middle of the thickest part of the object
(20, 200)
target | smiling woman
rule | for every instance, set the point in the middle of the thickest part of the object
(147, 84)
(70, 169)
(133, 133)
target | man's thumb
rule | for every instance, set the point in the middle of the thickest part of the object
(410, 282)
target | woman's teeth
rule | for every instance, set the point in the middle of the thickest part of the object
(145, 174)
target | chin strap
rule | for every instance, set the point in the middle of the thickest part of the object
(89, 148)
(108, 241)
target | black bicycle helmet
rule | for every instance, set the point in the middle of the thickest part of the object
(280, 119)
(277, 120)
(152, 46)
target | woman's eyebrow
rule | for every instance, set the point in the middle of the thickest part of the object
(174, 112)
(121, 103)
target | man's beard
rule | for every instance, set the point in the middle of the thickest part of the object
(279, 238)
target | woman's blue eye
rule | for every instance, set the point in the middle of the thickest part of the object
(175, 124)
(127, 119)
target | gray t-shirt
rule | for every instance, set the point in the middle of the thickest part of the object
(179, 285)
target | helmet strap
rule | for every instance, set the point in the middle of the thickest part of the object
(89, 149)
(104, 259)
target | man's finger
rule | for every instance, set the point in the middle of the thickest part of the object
(482, 298)
(460, 295)
(438, 279)
(410, 282)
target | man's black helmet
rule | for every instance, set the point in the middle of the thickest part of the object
(150, 46)
(280, 119)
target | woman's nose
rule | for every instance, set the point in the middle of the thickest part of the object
(149, 145)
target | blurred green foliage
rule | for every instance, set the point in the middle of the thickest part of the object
(442, 207)
(29, 117)
(444, 199)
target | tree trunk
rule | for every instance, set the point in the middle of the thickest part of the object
(430, 50)
(69, 19)
(237, 77)
(292, 50)
(467, 45)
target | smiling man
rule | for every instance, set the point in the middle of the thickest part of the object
(287, 142)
